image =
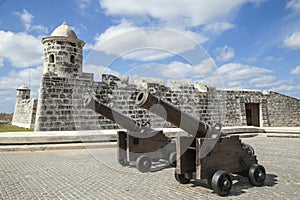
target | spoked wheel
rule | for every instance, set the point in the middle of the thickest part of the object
(221, 183)
(143, 163)
(172, 159)
(181, 178)
(257, 175)
(123, 162)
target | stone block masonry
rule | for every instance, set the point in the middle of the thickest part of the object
(25, 113)
(273, 109)
(64, 87)
(61, 103)
(25, 108)
(282, 110)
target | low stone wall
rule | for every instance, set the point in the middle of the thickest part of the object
(60, 105)
(25, 113)
(282, 110)
(59, 100)
(275, 110)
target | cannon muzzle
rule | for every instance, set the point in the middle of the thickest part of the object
(113, 115)
(172, 114)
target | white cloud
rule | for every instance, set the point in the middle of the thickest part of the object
(206, 71)
(217, 27)
(293, 41)
(20, 49)
(293, 4)
(14, 80)
(273, 59)
(83, 4)
(189, 13)
(262, 81)
(250, 59)
(17, 78)
(206, 68)
(27, 20)
(175, 70)
(25, 17)
(288, 87)
(38, 28)
(258, 2)
(1, 62)
(232, 75)
(9, 83)
(225, 53)
(32, 74)
(296, 70)
(237, 75)
(88, 46)
(6, 104)
(98, 71)
(146, 44)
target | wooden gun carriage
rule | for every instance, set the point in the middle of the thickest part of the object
(207, 153)
(139, 145)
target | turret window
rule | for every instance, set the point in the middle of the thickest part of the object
(72, 59)
(51, 58)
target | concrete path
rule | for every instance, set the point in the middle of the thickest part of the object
(58, 140)
(95, 174)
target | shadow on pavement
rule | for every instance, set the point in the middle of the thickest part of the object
(240, 184)
(156, 166)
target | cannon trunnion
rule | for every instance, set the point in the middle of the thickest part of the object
(138, 145)
(208, 153)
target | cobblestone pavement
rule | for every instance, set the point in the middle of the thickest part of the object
(95, 174)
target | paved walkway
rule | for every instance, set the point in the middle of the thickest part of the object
(95, 174)
(63, 140)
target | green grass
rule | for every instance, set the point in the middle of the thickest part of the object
(11, 128)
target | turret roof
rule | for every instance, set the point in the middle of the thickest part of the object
(64, 30)
(23, 87)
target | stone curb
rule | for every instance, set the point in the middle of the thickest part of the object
(283, 135)
(71, 140)
(66, 146)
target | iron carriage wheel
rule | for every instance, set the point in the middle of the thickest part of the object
(221, 183)
(181, 178)
(143, 163)
(257, 175)
(123, 162)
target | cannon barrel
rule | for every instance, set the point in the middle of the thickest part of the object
(113, 115)
(172, 114)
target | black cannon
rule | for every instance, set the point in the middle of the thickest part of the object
(141, 145)
(207, 153)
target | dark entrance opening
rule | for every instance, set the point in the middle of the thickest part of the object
(252, 114)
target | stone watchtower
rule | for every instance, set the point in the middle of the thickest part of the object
(25, 108)
(23, 92)
(62, 82)
(63, 52)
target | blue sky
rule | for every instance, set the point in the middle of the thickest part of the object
(253, 44)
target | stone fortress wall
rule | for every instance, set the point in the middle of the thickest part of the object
(274, 109)
(282, 110)
(63, 103)
(64, 87)
(25, 108)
